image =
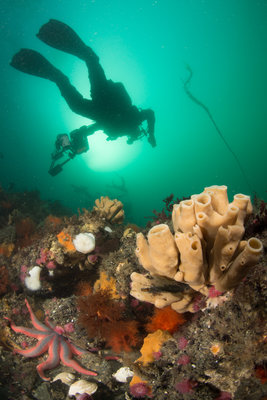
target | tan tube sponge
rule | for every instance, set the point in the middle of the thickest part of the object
(238, 269)
(158, 254)
(243, 203)
(191, 265)
(219, 198)
(206, 249)
(226, 242)
(185, 304)
(209, 219)
(183, 216)
(140, 290)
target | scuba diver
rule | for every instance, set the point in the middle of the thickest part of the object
(110, 105)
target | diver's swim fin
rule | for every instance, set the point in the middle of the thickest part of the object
(33, 63)
(62, 37)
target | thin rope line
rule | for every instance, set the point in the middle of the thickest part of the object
(199, 103)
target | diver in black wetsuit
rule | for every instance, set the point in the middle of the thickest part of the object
(110, 105)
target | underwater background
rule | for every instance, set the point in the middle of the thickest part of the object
(148, 45)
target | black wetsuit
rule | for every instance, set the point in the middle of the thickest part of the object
(111, 106)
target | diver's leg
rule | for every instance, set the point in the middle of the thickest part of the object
(97, 77)
(32, 62)
(74, 99)
(62, 37)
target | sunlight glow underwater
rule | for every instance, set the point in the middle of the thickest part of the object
(103, 155)
(113, 155)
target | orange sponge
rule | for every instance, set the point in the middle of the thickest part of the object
(152, 344)
(66, 241)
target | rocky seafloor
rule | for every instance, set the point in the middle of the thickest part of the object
(218, 352)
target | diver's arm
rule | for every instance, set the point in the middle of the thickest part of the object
(151, 121)
(149, 116)
(87, 130)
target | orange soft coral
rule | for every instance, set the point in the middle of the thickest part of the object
(97, 311)
(66, 241)
(53, 221)
(102, 317)
(165, 319)
(123, 336)
(25, 232)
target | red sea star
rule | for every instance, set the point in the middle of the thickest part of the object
(50, 339)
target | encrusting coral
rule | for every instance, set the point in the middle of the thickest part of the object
(111, 210)
(206, 249)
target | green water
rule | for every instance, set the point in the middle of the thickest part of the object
(147, 46)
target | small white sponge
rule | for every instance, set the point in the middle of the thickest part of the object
(32, 281)
(84, 242)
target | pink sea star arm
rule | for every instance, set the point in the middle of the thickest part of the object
(28, 331)
(38, 349)
(36, 323)
(65, 356)
(49, 323)
(76, 350)
(52, 360)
